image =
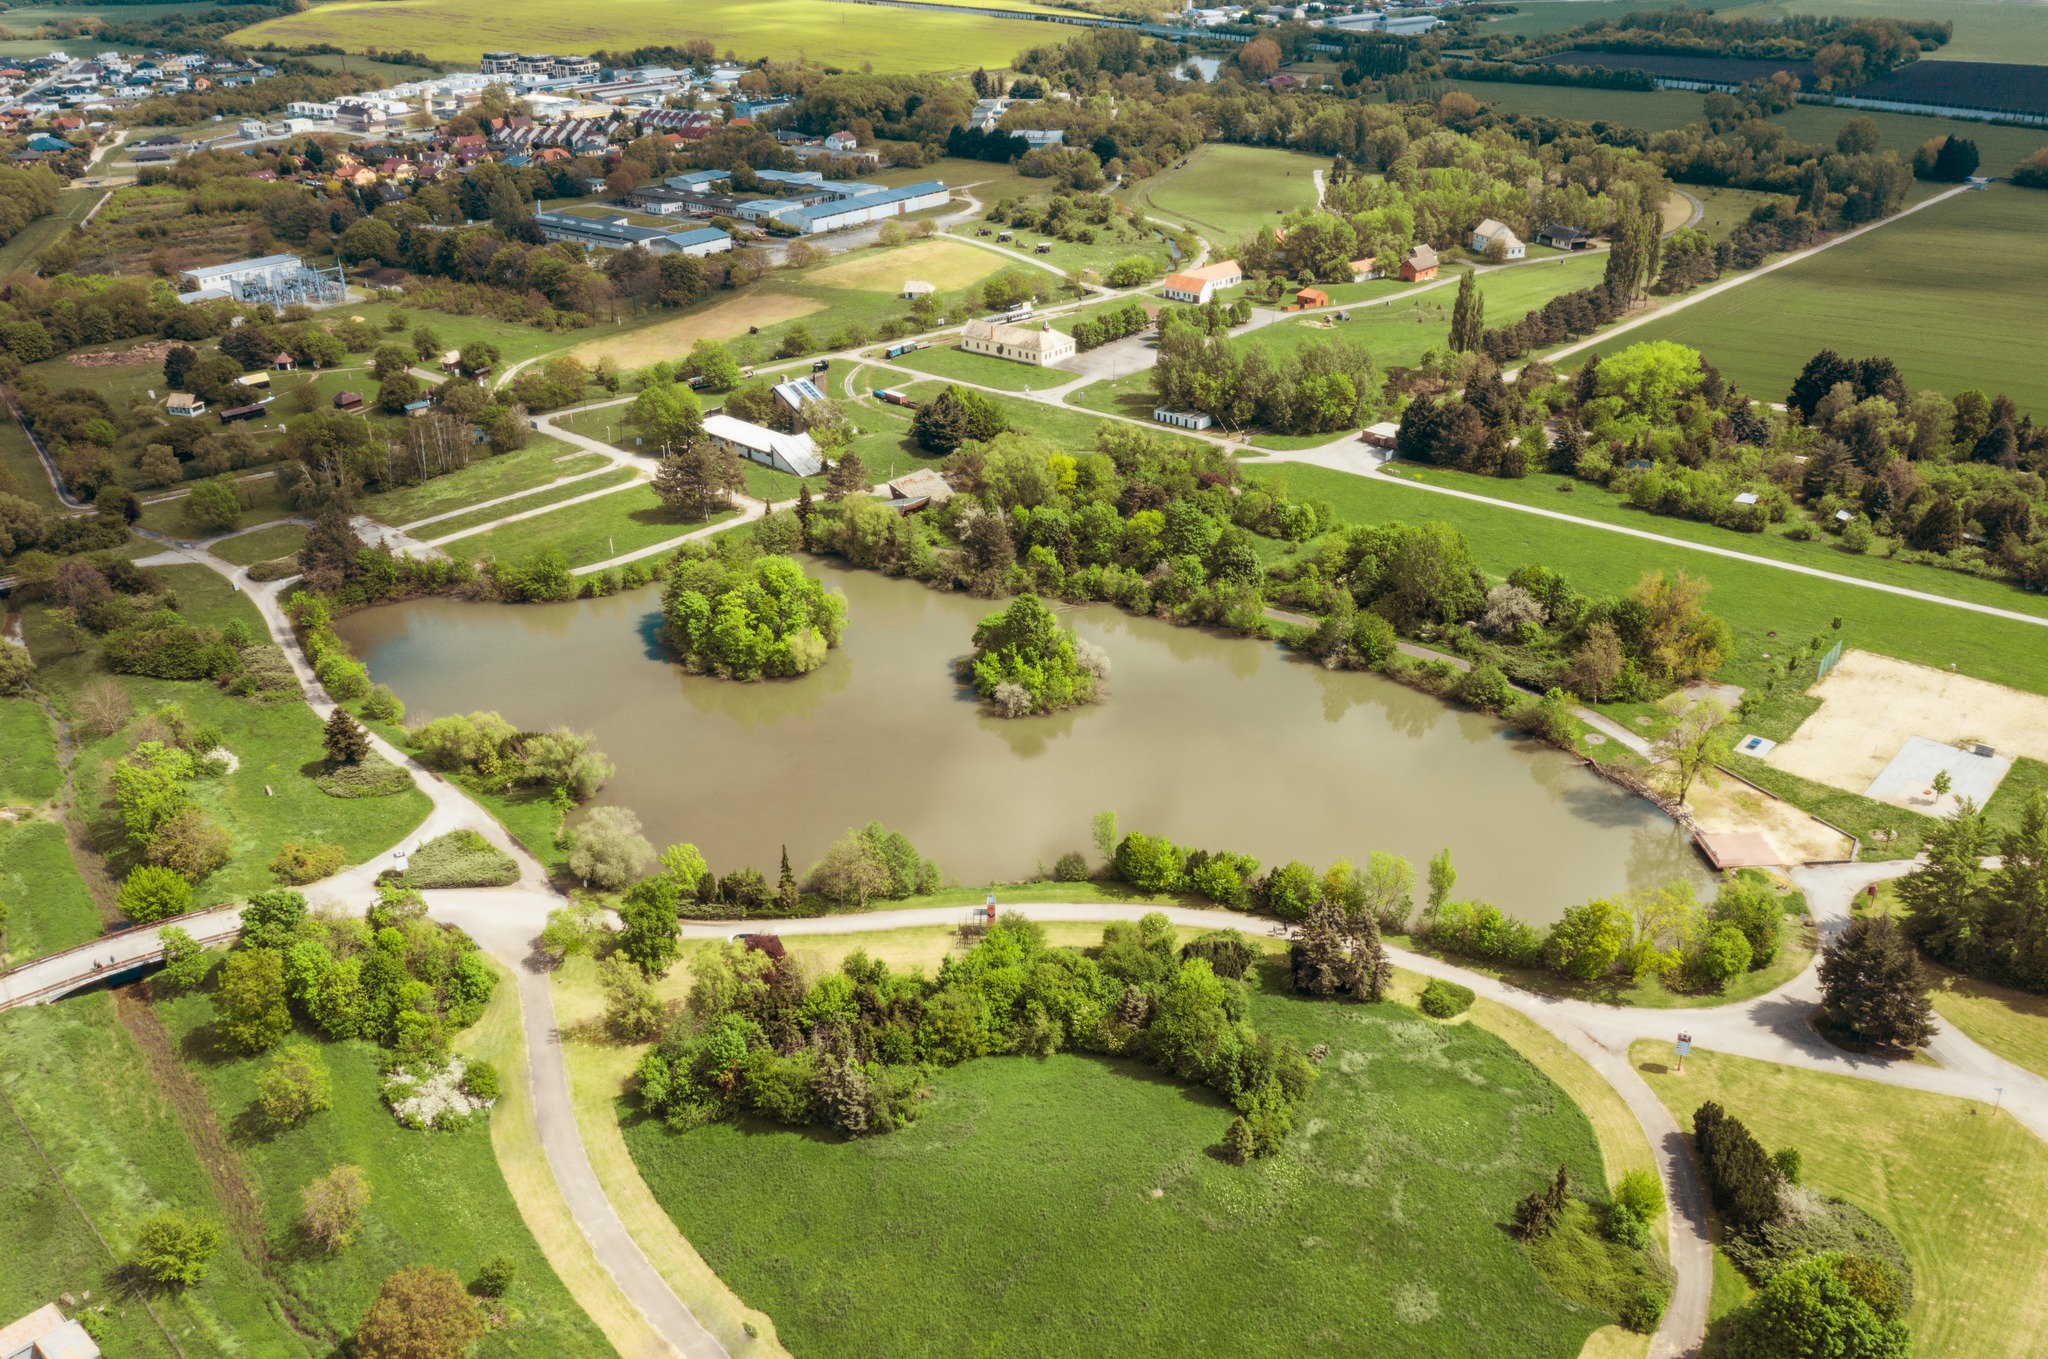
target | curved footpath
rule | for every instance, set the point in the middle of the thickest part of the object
(504, 921)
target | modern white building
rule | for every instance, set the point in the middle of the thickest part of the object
(796, 454)
(1040, 345)
(1183, 419)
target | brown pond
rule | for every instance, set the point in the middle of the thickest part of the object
(1212, 741)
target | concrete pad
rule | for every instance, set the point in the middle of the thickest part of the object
(1732, 807)
(1740, 849)
(1758, 746)
(1908, 781)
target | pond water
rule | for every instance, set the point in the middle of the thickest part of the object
(1211, 741)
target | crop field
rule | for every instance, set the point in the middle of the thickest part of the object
(895, 40)
(2001, 147)
(1228, 192)
(1964, 1190)
(2002, 85)
(1043, 1205)
(1944, 292)
(727, 319)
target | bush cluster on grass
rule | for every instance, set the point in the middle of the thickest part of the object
(431, 1095)
(1442, 999)
(299, 863)
(755, 1035)
(461, 858)
(490, 751)
(371, 776)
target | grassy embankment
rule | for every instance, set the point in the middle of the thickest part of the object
(1225, 193)
(48, 906)
(1964, 1190)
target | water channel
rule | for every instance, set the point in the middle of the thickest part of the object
(1212, 741)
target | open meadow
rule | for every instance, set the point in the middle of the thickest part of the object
(897, 40)
(1227, 192)
(1945, 293)
(1037, 1202)
(1963, 1189)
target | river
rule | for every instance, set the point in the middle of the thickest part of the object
(1212, 741)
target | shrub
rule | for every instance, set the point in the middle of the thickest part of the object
(1149, 863)
(1228, 953)
(1071, 867)
(610, 851)
(331, 1206)
(294, 1087)
(381, 705)
(1723, 957)
(1642, 1310)
(344, 678)
(419, 1313)
(150, 894)
(186, 963)
(251, 1001)
(1485, 687)
(480, 1081)
(174, 1250)
(1445, 999)
(374, 776)
(461, 858)
(1642, 1193)
(494, 1277)
(298, 863)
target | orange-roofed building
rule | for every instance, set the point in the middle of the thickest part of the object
(1200, 285)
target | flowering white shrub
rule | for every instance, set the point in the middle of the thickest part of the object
(433, 1097)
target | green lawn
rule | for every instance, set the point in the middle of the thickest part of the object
(271, 796)
(29, 771)
(166, 513)
(1722, 209)
(76, 1079)
(1755, 599)
(48, 906)
(1966, 1192)
(467, 1217)
(1944, 292)
(22, 469)
(20, 251)
(1228, 192)
(485, 479)
(1985, 30)
(945, 360)
(590, 532)
(533, 500)
(2001, 147)
(1587, 501)
(261, 545)
(1038, 1202)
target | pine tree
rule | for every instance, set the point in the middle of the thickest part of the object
(1873, 986)
(786, 893)
(847, 477)
(805, 510)
(345, 740)
(1375, 969)
(1468, 317)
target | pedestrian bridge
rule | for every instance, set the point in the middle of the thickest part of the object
(112, 959)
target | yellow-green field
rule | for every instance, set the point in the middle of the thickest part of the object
(896, 40)
(671, 339)
(943, 264)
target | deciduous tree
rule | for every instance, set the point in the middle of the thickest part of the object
(420, 1313)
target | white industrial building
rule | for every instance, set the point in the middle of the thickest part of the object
(617, 233)
(796, 454)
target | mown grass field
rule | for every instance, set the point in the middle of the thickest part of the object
(29, 772)
(261, 545)
(1946, 293)
(895, 40)
(49, 908)
(21, 249)
(622, 522)
(1019, 1215)
(1587, 501)
(1755, 599)
(2001, 147)
(1228, 192)
(532, 500)
(1964, 1190)
(538, 464)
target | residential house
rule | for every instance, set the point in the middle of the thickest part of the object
(1311, 297)
(47, 1333)
(1490, 231)
(185, 404)
(1040, 345)
(1419, 265)
(1200, 285)
(1558, 236)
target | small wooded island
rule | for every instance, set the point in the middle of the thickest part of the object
(1024, 662)
(750, 620)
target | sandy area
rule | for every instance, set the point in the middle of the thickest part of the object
(1735, 806)
(1871, 705)
(722, 321)
(945, 265)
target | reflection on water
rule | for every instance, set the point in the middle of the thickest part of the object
(1210, 740)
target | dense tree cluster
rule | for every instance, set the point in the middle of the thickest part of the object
(851, 1050)
(1317, 387)
(749, 620)
(1024, 662)
(1992, 922)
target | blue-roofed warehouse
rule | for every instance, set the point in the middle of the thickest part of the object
(617, 234)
